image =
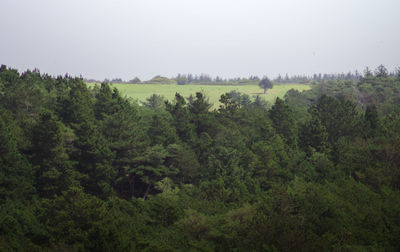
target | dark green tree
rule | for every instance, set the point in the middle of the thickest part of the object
(229, 105)
(161, 131)
(372, 121)
(339, 116)
(200, 105)
(313, 135)
(181, 118)
(54, 170)
(77, 107)
(74, 220)
(94, 157)
(381, 71)
(283, 121)
(16, 176)
(184, 161)
(201, 117)
(106, 102)
(155, 102)
(265, 84)
(151, 167)
(24, 95)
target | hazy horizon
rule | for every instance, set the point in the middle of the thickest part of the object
(144, 38)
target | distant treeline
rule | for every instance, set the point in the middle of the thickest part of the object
(183, 79)
(206, 79)
(353, 76)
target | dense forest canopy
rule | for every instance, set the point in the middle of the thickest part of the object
(87, 169)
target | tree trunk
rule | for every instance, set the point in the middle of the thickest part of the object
(147, 191)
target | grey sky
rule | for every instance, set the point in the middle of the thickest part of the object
(229, 38)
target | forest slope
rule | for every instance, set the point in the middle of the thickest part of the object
(87, 169)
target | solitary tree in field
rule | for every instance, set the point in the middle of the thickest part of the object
(265, 83)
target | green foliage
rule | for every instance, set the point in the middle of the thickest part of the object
(372, 121)
(339, 116)
(53, 172)
(313, 135)
(283, 121)
(181, 118)
(16, 176)
(94, 160)
(85, 169)
(184, 160)
(265, 84)
(160, 131)
(155, 102)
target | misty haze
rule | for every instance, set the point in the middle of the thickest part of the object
(187, 125)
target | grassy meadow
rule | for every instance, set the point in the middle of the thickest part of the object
(142, 91)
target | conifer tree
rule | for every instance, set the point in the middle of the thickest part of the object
(283, 121)
(54, 171)
(16, 176)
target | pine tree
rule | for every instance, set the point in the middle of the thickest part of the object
(283, 121)
(372, 121)
(94, 157)
(181, 118)
(54, 171)
(161, 132)
(381, 72)
(338, 116)
(313, 134)
(16, 177)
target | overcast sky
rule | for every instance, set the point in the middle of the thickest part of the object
(230, 38)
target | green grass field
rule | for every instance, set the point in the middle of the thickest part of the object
(142, 91)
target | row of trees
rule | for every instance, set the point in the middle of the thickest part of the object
(87, 169)
(183, 79)
(380, 71)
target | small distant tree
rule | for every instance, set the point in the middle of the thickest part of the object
(367, 72)
(117, 80)
(265, 83)
(135, 80)
(181, 79)
(381, 71)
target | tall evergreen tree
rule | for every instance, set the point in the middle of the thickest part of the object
(283, 121)
(200, 116)
(181, 118)
(372, 121)
(161, 132)
(54, 171)
(338, 116)
(94, 157)
(16, 176)
(313, 134)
